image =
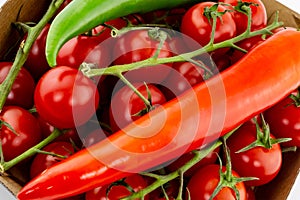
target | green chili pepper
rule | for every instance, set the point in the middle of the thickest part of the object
(82, 15)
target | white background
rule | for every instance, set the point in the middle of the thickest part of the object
(292, 4)
(294, 195)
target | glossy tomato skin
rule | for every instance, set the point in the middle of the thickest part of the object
(26, 127)
(21, 93)
(246, 44)
(136, 181)
(103, 32)
(36, 62)
(65, 98)
(206, 179)
(259, 15)
(84, 49)
(198, 27)
(43, 161)
(94, 137)
(125, 103)
(46, 130)
(183, 77)
(284, 119)
(136, 46)
(257, 162)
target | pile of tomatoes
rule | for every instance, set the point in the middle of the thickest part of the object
(90, 109)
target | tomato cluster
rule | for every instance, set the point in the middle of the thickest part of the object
(88, 110)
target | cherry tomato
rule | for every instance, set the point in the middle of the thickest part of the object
(250, 43)
(170, 17)
(135, 181)
(221, 61)
(178, 44)
(171, 189)
(182, 78)
(47, 129)
(83, 49)
(205, 180)
(43, 161)
(103, 32)
(94, 137)
(284, 121)
(196, 25)
(246, 44)
(250, 193)
(36, 62)
(209, 159)
(125, 104)
(258, 17)
(257, 162)
(136, 46)
(21, 93)
(25, 134)
(65, 98)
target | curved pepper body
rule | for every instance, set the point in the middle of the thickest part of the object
(197, 117)
(73, 21)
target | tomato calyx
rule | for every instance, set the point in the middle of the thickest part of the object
(121, 182)
(148, 105)
(296, 98)
(244, 6)
(227, 180)
(212, 13)
(263, 138)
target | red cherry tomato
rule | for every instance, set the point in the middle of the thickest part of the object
(135, 181)
(250, 43)
(246, 44)
(178, 44)
(94, 137)
(36, 62)
(205, 180)
(171, 189)
(136, 46)
(258, 11)
(209, 159)
(284, 121)
(182, 78)
(21, 93)
(65, 98)
(47, 129)
(170, 17)
(26, 128)
(84, 49)
(257, 162)
(125, 104)
(43, 161)
(104, 32)
(250, 193)
(196, 25)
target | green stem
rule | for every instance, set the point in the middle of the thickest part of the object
(228, 173)
(145, 100)
(117, 69)
(23, 51)
(163, 179)
(30, 152)
(213, 28)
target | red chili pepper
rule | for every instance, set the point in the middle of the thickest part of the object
(267, 74)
